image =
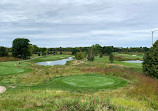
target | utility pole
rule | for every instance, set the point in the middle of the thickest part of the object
(153, 36)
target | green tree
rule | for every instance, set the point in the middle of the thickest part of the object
(3, 52)
(80, 55)
(43, 51)
(31, 49)
(20, 48)
(111, 58)
(108, 50)
(150, 64)
(91, 54)
(35, 49)
(75, 50)
(97, 49)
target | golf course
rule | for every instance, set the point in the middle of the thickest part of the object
(77, 86)
(78, 55)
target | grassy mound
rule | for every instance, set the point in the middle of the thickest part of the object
(88, 82)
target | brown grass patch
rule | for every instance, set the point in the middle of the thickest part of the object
(4, 59)
(114, 71)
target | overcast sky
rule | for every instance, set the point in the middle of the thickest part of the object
(72, 23)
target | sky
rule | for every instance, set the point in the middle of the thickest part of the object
(79, 23)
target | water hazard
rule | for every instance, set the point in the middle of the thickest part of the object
(56, 62)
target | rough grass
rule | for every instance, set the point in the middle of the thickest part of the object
(140, 95)
(129, 56)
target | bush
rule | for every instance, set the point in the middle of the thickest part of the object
(3, 52)
(150, 64)
(80, 55)
(90, 58)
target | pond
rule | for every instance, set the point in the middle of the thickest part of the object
(134, 61)
(56, 62)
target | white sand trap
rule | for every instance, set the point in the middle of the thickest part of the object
(134, 55)
(2, 89)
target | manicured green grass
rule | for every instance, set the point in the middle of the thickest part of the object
(50, 58)
(13, 68)
(8, 70)
(86, 82)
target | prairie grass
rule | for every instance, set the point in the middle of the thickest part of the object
(4, 59)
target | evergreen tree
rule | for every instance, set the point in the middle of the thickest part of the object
(150, 64)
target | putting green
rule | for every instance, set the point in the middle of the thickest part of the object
(8, 70)
(87, 82)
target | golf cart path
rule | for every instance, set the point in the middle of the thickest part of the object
(2, 89)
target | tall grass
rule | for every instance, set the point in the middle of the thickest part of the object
(144, 88)
(140, 95)
(4, 59)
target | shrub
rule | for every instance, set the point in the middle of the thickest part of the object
(80, 55)
(90, 58)
(150, 64)
(111, 57)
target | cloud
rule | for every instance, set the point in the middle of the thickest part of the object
(79, 22)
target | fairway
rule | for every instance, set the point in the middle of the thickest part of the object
(13, 68)
(88, 82)
(8, 70)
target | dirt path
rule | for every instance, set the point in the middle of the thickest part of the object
(2, 89)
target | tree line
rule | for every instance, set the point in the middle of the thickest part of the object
(22, 48)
